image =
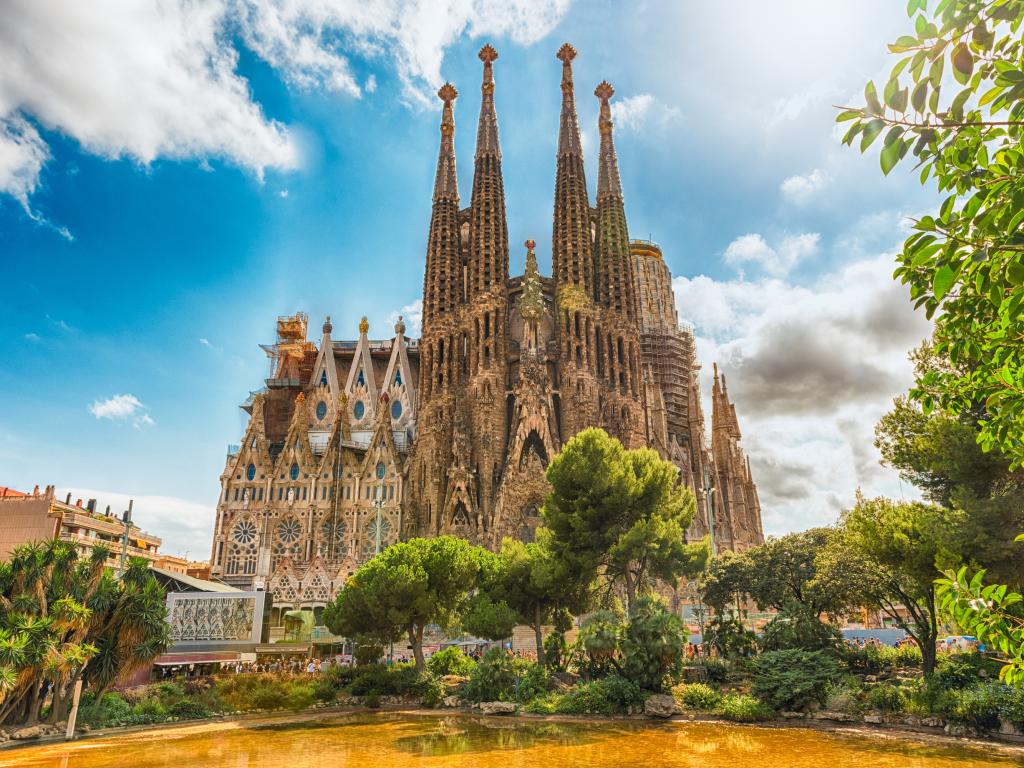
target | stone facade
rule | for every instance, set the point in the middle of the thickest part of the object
(354, 444)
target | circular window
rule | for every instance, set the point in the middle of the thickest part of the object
(289, 530)
(396, 410)
(245, 532)
(359, 410)
(321, 410)
(250, 472)
(294, 472)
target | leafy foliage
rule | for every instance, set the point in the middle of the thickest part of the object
(793, 679)
(795, 627)
(499, 676)
(406, 587)
(621, 513)
(965, 263)
(652, 645)
(699, 696)
(450, 661)
(611, 695)
(742, 708)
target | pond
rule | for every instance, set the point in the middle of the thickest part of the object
(395, 740)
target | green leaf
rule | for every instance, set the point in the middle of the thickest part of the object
(943, 280)
(874, 107)
(848, 114)
(918, 97)
(1015, 272)
(990, 95)
(871, 131)
(963, 63)
(890, 156)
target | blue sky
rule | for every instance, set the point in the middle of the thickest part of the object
(176, 177)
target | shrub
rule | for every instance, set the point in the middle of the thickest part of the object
(872, 660)
(186, 709)
(962, 670)
(741, 708)
(978, 706)
(652, 645)
(611, 695)
(112, 710)
(247, 691)
(397, 680)
(700, 696)
(545, 704)
(715, 670)
(845, 696)
(886, 698)
(450, 661)
(729, 637)
(794, 678)
(499, 676)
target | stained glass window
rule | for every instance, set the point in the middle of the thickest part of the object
(294, 472)
(396, 410)
(321, 410)
(359, 410)
(250, 472)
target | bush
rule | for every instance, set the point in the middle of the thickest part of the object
(611, 695)
(652, 645)
(872, 660)
(499, 676)
(795, 627)
(245, 692)
(741, 708)
(111, 711)
(450, 661)
(396, 680)
(845, 696)
(716, 670)
(962, 670)
(699, 696)
(886, 698)
(792, 679)
(189, 710)
(979, 706)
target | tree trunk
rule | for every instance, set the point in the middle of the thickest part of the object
(630, 592)
(32, 715)
(416, 641)
(538, 635)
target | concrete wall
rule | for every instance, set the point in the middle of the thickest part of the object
(24, 519)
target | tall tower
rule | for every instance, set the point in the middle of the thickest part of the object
(440, 354)
(572, 266)
(485, 328)
(618, 351)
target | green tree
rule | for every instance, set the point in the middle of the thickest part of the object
(406, 587)
(621, 513)
(652, 645)
(965, 263)
(63, 618)
(527, 585)
(891, 549)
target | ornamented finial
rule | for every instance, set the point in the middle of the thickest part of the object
(364, 326)
(530, 245)
(566, 53)
(400, 327)
(488, 55)
(447, 94)
(300, 399)
(327, 325)
(604, 91)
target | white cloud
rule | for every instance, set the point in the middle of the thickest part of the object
(801, 189)
(35, 338)
(636, 112)
(122, 408)
(210, 345)
(775, 260)
(412, 315)
(184, 526)
(811, 369)
(158, 78)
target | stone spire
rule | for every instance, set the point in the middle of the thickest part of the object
(614, 275)
(572, 261)
(441, 277)
(488, 229)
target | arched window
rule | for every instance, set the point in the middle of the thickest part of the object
(294, 472)
(250, 472)
(321, 410)
(396, 409)
(359, 410)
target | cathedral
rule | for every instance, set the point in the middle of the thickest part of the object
(352, 445)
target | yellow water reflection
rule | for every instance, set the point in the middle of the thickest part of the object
(429, 741)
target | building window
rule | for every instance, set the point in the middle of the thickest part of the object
(305, 490)
(250, 472)
(396, 409)
(236, 494)
(358, 410)
(261, 494)
(293, 473)
(321, 410)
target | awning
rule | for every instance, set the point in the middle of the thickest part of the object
(177, 659)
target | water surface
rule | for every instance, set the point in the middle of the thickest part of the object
(392, 740)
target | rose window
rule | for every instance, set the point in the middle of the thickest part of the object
(245, 532)
(289, 530)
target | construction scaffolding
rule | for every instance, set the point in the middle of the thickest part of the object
(287, 356)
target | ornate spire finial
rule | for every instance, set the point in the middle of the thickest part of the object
(566, 53)
(604, 91)
(327, 325)
(400, 327)
(488, 55)
(364, 326)
(447, 94)
(530, 245)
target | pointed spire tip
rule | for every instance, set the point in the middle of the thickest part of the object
(604, 90)
(530, 245)
(566, 53)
